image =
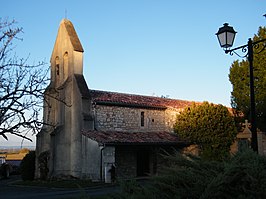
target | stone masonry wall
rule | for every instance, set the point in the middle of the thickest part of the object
(114, 118)
(170, 118)
(126, 163)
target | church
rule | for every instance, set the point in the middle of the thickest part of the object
(87, 133)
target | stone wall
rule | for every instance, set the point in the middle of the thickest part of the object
(126, 163)
(170, 118)
(114, 118)
(262, 143)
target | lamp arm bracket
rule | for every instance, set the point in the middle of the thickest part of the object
(244, 48)
(259, 46)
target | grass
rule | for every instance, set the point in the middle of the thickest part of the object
(92, 197)
(72, 184)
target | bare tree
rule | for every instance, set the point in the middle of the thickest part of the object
(21, 87)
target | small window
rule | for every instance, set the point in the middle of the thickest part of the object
(57, 65)
(142, 119)
(57, 69)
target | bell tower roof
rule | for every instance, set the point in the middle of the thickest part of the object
(72, 35)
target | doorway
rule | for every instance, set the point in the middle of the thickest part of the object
(143, 163)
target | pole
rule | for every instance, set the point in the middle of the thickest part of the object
(254, 139)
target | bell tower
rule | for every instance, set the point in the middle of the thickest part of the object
(66, 107)
(67, 55)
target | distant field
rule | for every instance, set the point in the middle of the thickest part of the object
(13, 156)
(14, 149)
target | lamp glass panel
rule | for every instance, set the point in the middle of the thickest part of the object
(230, 39)
(222, 39)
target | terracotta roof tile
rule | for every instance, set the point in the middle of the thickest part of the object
(113, 98)
(136, 138)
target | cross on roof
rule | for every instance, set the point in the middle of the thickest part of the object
(247, 124)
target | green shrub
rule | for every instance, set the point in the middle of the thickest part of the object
(28, 166)
(210, 126)
(242, 176)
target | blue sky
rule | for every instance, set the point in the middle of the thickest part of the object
(148, 47)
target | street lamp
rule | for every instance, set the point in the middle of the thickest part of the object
(226, 35)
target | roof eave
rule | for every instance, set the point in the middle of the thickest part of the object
(178, 144)
(130, 105)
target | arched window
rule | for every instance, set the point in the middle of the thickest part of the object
(66, 65)
(57, 71)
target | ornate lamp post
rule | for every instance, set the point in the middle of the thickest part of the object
(226, 35)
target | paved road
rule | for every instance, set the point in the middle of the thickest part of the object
(8, 191)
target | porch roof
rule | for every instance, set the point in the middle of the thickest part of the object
(134, 138)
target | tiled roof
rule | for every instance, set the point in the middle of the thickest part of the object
(136, 138)
(122, 99)
(128, 100)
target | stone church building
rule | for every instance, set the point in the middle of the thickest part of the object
(88, 131)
